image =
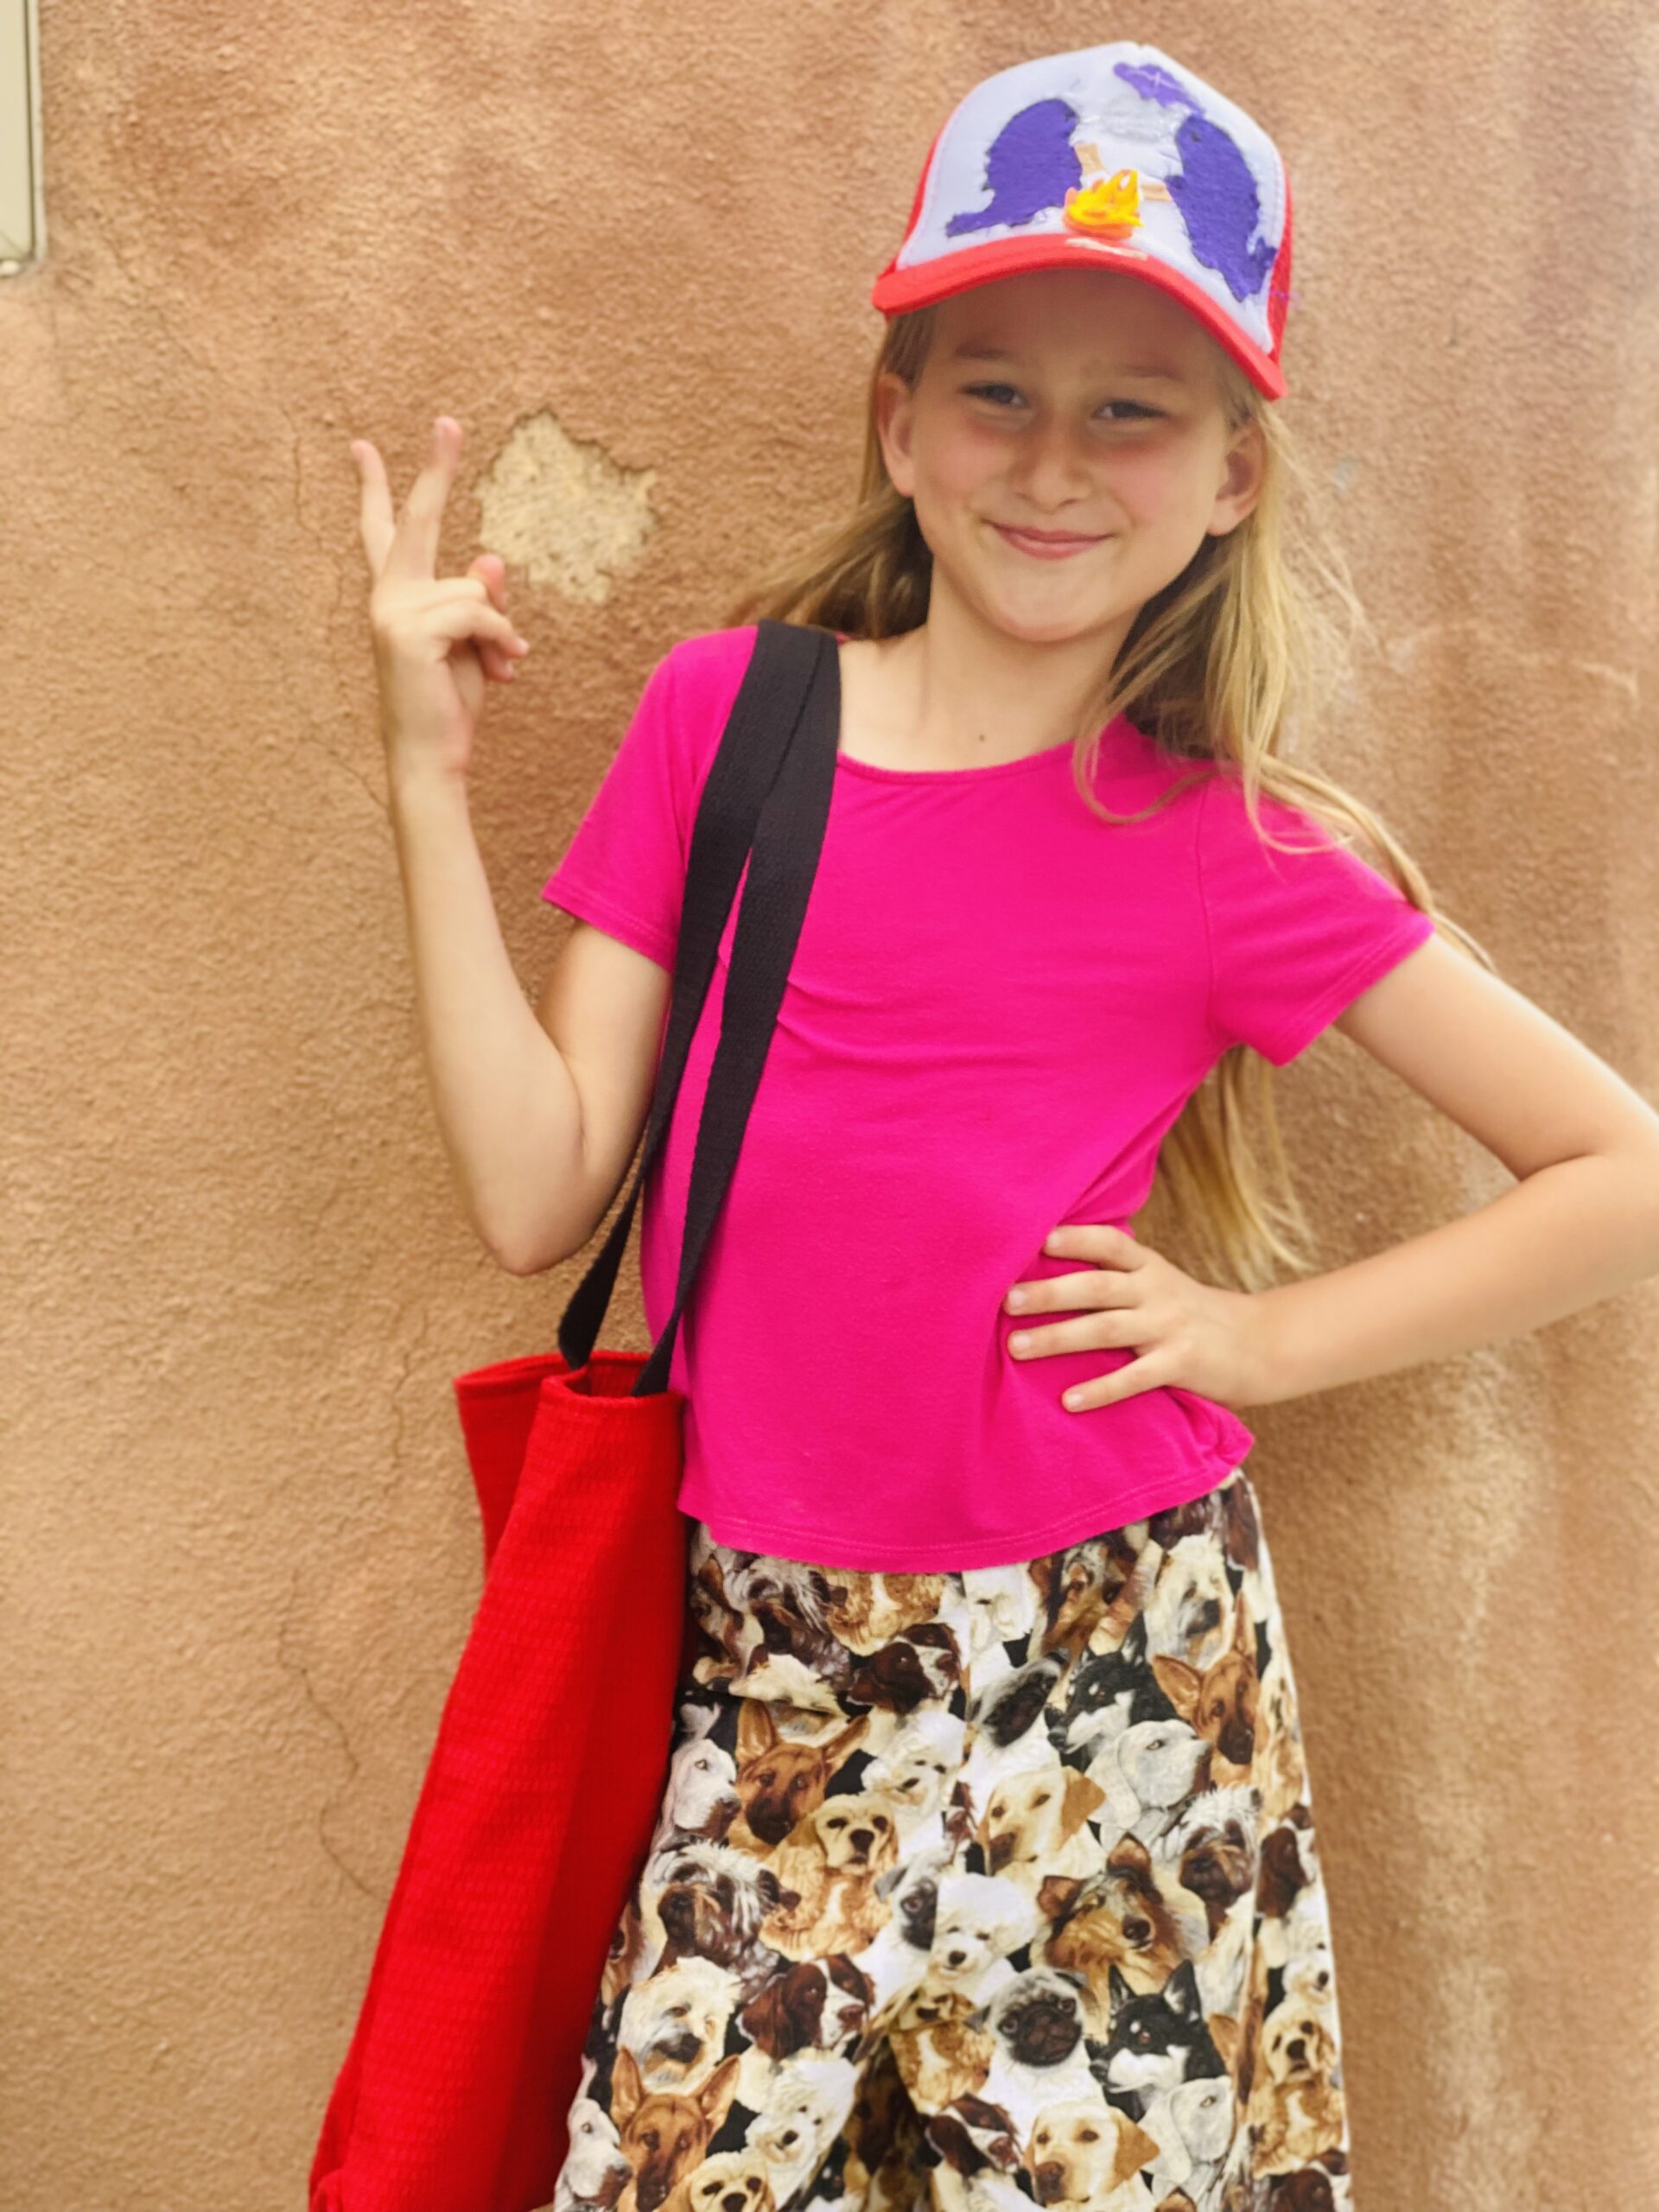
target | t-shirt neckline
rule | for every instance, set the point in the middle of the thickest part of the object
(976, 768)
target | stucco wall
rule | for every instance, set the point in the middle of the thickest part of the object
(630, 249)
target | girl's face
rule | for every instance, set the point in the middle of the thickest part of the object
(1034, 410)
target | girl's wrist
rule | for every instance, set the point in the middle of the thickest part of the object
(1269, 1378)
(420, 787)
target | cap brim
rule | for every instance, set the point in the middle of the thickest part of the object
(898, 291)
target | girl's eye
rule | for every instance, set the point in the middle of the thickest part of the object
(977, 391)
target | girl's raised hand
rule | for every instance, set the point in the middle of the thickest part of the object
(438, 639)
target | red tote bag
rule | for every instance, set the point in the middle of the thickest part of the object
(541, 1793)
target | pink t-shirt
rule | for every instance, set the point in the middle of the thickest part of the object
(998, 1006)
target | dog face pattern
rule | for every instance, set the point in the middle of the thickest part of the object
(999, 1885)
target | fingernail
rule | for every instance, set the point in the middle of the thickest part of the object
(1018, 1341)
(1016, 1299)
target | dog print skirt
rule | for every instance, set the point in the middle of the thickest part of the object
(977, 1890)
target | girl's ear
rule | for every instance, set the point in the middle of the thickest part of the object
(895, 408)
(1243, 484)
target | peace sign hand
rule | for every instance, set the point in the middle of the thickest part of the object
(438, 639)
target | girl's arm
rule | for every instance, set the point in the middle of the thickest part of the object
(540, 1119)
(1581, 1223)
(540, 1112)
(604, 1006)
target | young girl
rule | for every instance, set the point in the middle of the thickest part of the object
(986, 1863)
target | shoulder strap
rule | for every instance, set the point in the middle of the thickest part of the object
(790, 662)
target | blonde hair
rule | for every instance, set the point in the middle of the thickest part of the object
(1222, 665)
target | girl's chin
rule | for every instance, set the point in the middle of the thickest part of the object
(1047, 618)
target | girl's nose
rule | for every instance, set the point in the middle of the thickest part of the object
(1052, 467)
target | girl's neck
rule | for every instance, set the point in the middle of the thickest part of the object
(956, 693)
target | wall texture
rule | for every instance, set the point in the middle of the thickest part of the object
(630, 249)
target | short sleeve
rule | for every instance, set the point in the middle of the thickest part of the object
(624, 869)
(1294, 936)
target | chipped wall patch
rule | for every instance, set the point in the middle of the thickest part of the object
(563, 511)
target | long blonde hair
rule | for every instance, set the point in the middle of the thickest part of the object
(1223, 664)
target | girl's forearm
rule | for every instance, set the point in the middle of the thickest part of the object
(1564, 1237)
(506, 1105)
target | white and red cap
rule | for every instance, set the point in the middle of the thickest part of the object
(1114, 155)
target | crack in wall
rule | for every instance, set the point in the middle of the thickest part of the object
(292, 1664)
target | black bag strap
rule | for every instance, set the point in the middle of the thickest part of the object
(765, 801)
(782, 865)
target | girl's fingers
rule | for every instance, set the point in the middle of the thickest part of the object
(474, 590)
(407, 545)
(467, 618)
(374, 515)
(1094, 1333)
(1090, 1286)
(478, 591)
(413, 552)
(490, 570)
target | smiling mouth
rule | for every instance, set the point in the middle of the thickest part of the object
(1046, 544)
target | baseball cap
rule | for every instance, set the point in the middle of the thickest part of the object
(1113, 157)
